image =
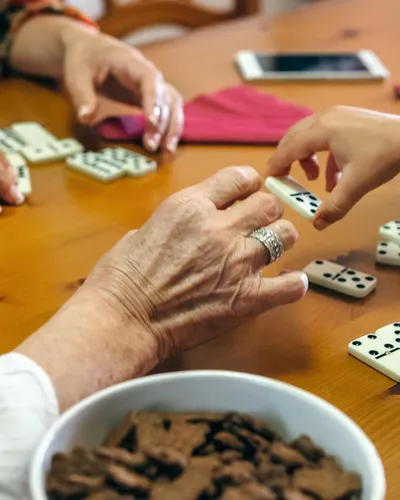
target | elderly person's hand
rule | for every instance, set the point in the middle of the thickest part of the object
(8, 190)
(189, 274)
(364, 153)
(90, 63)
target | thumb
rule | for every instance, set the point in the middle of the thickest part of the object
(348, 191)
(83, 94)
(8, 190)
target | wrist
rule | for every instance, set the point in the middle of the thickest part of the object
(40, 44)
(89, 345)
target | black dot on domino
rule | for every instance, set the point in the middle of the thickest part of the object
(389, 346)
(327, 275)
(313, 210)
(342, 280)
(396, 324)
(372, 336)
(369, 278)
(382, 252)
(384, 244)
(360, 285)
(351, 272)
(319, 262)
(398, 339)
(356, 342)
(374, 353)
(300, 199)
(313, 197)
(314, 204)
(386, 226)
(355, 279)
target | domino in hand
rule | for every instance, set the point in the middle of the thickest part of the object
(15, 160)
(18, 163)
(380, 350)
(294, 195)
(390, 231)
(24, 180)
(134, 164)
(340, 279)
(94, 165)
(388, 253)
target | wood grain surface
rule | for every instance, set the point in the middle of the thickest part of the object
(48, 245)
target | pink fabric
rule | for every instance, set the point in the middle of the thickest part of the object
(235, 115)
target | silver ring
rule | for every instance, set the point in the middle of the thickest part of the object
(270, 240)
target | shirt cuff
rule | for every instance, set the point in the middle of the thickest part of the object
(28, 408)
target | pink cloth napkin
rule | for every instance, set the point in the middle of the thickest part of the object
(236, 115)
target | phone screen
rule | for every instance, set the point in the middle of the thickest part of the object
(303, 63)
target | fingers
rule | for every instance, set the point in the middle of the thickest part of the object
(310, 167)
(284, 289)
(162, 105)
(169, 126)
(301, 143)
(81, 88)
(344, 196)
(332, 173)
(288, 235)
(155, 107)
(8, 190)
(258, 210)
(229, 185)
(176, 122)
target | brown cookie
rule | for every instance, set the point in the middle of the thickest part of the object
(328, 483)
(308, 448)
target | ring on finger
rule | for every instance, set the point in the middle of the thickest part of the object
(271, 241)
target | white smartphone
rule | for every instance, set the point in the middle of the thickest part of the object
(362, 65)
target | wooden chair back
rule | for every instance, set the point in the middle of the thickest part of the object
(121, 19)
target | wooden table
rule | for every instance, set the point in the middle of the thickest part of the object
(48, 245)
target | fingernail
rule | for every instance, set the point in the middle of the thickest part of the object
(18, 197)
(321, 224)
(84, 112)
(304, 279)
(172, 144)
(155, 115)
(153, 142)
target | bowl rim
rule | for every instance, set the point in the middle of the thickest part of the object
(35, 474)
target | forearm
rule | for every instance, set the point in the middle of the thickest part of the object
(88, 346)
(39, 44)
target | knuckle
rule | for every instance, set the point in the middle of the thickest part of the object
(332, 117)
(267, 207)
(287, 232)
(241, 177)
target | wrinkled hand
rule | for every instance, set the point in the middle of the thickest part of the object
(191, 273)
(8, 191)
(94, 60)
(364, 152)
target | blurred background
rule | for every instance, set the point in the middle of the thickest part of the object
(97, 8)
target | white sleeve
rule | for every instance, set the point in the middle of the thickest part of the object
(28, 407)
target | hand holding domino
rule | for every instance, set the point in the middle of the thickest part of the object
(363, 154)
(293, 194)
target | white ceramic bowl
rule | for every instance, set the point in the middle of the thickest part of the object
(289, 410)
